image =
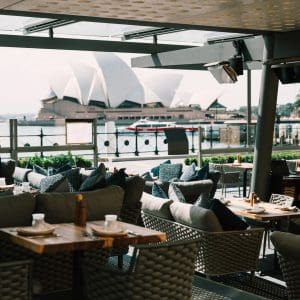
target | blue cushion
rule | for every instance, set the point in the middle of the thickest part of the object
(147, 176)
(175, 193)
(96, 180)
(168, 172)
(226, 217)
(189, 173)
(202, 173)
(157, 191)
(38, 169)
(155, 170)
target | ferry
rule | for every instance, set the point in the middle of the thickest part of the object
(146, 125)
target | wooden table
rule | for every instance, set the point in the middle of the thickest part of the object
(239, 206)
(244, 167)
(71, 238)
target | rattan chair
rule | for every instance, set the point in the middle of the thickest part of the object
(288, 245)
(16, 280)
(156, 271)
(218, 253)
(228, 177)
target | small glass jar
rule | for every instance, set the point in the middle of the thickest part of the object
(38, 220)
(111, 222)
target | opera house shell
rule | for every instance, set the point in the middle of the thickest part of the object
(105, 87)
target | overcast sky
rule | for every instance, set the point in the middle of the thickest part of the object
(24, 82)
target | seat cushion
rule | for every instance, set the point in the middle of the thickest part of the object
(197, 217)
(16, 210)
(226, 217)
(60, 207)
(167, 172)
(156, 206)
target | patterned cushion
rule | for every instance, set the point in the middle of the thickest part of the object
(175, 194)
(169, 171)
(156, 206)
(157, 191)
(197, 217)
(226, 217)
(189, 172)
(54, 183)
(155, 170)
(38, 169)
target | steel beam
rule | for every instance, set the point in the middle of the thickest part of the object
(195, 58)
(84, 45)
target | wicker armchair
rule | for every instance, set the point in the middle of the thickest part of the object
(288, 244)
(156, 271)
(15, 280)
(218, 253)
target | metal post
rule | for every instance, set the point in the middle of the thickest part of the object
(211, 136)
(200, 147)
(265, 124)
(41, 142)
(13, 134)
(249, 110)
(95, 142)
(117, 142)
(136, 153)
(156, 148)
(193, 144)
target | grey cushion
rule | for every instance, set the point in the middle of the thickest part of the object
(134, 187)
(16, 210)
(287, 244)
(197, 217)
(188, 172)
(20, 174)
(95, 180)
(192, 190)
(35, 179)
(156, 206)
(169, 171)
(147, 176)
(175, 194)
(39, 169)
(74, 178)
(54, 183)
(60, 207)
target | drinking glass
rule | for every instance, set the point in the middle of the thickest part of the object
(38, 220)
(111, 222)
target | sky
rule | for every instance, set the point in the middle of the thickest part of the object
(24, 77)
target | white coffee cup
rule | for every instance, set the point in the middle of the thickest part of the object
(38, 219)
(111, 222)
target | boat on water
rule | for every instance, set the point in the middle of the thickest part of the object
(146, 125)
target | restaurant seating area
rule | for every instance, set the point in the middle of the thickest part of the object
(226, 251)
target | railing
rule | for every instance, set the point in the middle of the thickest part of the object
(20, 141)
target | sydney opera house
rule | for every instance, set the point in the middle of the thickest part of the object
(106, 88)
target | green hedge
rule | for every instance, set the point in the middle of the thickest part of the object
(245, 158)
(54, 161)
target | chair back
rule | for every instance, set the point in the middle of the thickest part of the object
(287, 245)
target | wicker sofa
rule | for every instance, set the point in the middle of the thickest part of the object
(220, 252)
(54, 272)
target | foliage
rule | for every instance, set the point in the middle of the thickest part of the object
(54, 161)
(245, 158)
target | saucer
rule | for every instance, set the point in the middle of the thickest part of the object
(256, 210)
(32, 231)
(102, 231)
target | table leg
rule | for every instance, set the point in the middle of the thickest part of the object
(245, 183)
(78, 292)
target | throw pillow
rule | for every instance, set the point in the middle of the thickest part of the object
(155, 170)
(93, 182)
(175, 194)
(39, 170)
(202, 173)
(73, 176)
(117, 178)
(157, 191)
(54, 183)
(189, 173)
(226, 217)
(167, 172)
(147, 176)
